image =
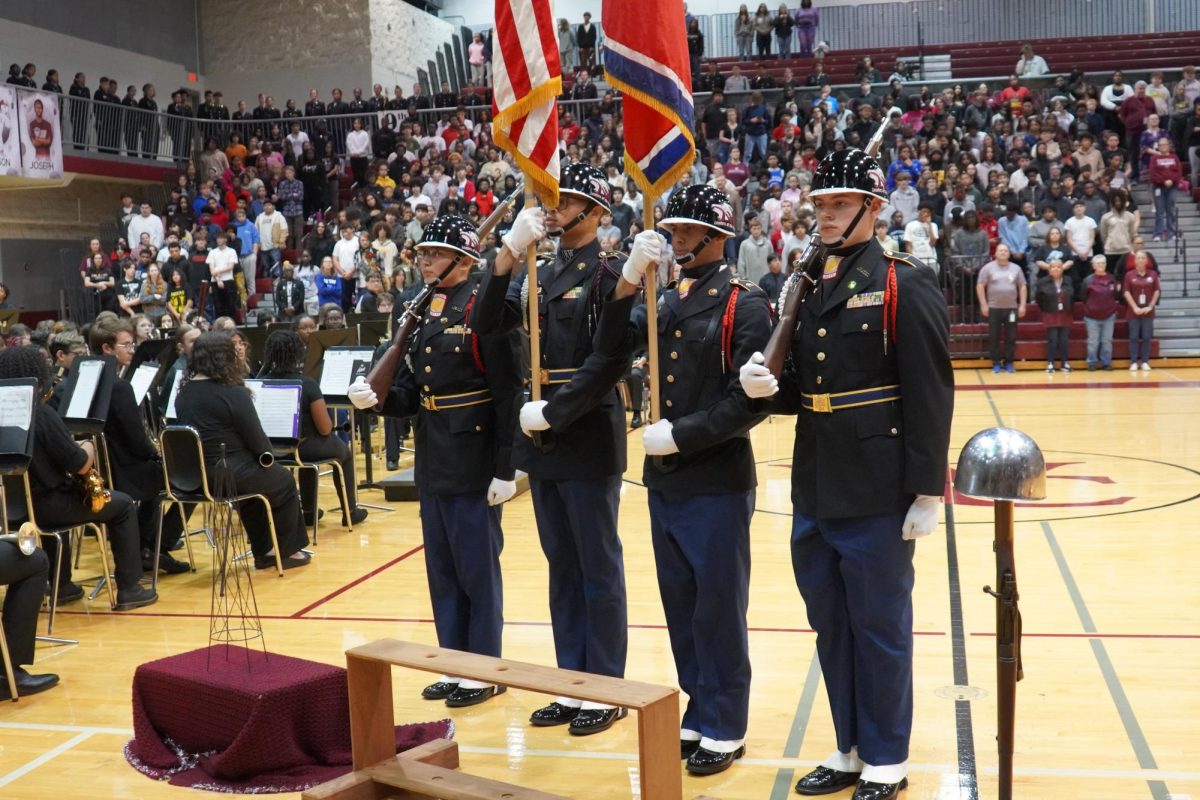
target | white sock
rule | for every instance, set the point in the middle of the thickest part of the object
(469, 684)
(844, 762)
(569, 702)
(689, 735)
(588, 705)
(886, 773)
(721, 745)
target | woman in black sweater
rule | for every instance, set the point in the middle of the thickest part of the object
(283, 359)
(215, 402)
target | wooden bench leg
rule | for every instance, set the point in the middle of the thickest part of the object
(372, 720)
(658, 749)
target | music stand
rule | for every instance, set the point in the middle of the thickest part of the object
(256, 341)
(339, 367)
(87, 394)
(372, 328)
(149, 350)
(18, 401)
(320, 341)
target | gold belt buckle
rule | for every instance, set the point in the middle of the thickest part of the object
(821, 404)
(544, 377)
(429, 403)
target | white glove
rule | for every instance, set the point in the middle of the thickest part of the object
(360, 394)
(657, 439)
(757, 380)
(533, 417)
(528, 228)
(922, 517)
(647, 250)
(500, 491)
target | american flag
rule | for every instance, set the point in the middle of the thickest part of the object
(527, 80)
(646, 59)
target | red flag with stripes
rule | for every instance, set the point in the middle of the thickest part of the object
(526, 83)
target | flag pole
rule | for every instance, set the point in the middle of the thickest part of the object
(535, 331)
(652, 318)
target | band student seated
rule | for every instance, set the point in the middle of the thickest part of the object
(136, 467)
(463, 389)
(58, 460)
(283, 359)
(214, 400)
(24, 579)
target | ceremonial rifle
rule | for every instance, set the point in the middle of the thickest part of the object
(384, 372)
(805, 277)
(1008, 641)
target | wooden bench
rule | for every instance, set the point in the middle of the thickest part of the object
(372, 721)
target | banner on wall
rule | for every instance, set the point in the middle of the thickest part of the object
(10, 137)
(41, 135)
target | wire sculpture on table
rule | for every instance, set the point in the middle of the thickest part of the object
(233, 617)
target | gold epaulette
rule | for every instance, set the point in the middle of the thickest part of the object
(749, 286)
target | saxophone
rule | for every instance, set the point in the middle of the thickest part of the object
(95, 494)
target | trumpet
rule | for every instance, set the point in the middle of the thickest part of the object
(26, 538)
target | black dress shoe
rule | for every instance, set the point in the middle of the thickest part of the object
(166, 563)
(27, 684)
(553, 714)
(296, 559)
(461, 698)
(356, 516)
(636, 422)
(439, 691)
(869, 790)
(709, 762)
(68, 593)
(824, 780)
(392, 466)
(687, 747)
(595, 720)
(128, 599)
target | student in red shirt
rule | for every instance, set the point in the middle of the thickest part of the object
(1141, 289)
(1100, 306)
(1165, 173)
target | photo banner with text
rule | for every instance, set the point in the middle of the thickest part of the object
(41, 135)
(10, 139)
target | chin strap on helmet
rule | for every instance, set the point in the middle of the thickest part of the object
(689, 257)
(580, 217)
(841, 240)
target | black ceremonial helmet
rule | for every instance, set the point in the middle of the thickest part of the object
(455, 233)
(699, 205)
(588, 183)
(849, 170)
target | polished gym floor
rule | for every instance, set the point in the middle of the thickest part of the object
(1109, 707)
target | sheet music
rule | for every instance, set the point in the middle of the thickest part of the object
(278, 408)
(142, 380)
(16, 407)
(174, 393)
(338, 369)
(85, 389)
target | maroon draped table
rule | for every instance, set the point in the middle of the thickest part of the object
(235, 720)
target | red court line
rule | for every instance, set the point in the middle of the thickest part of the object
(1101, 635)
(1008, 387)
(357, 581)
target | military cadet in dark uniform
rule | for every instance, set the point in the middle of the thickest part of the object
(870, 381)
(205, 111)
(149, 122)
(699, 470)
(131, 121)
(78, 104)
(108, 120)
(463, 388)
(180, 127)
(575, 473)
(220, 117)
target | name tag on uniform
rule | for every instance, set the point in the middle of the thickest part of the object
(573, 294)
(865, 300)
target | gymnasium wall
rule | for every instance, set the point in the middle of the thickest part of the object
(154, 54)
(284, 53)
(403, 39)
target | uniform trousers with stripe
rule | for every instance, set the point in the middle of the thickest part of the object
(702, 555)
(856, 577)
(463, 540)
(577, 526)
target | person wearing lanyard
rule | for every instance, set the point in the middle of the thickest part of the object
(1053, 295)
(1141, 289)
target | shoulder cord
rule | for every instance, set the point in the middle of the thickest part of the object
(474, 336)
(727, 330)
(891, 296)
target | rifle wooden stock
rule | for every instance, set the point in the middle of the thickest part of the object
(1008, 643)
(383, 373)
(802, 281)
